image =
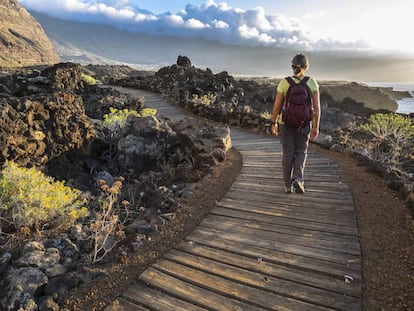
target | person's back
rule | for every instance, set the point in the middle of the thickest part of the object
(299, 121)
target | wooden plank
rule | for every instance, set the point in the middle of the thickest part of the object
(345, 246)
(264, 282)
(304, 199)
(313, 166)
(306, 210)
(247, 294)
(275, 256)
(158, 300)
(347, 220)
(312, 186)
(277, 178)
(121, 304)
(286, 229)
(289, 222)
(256, 143)
(287, 201)
(275, 170)
(267, 237)
(311, 195)
(269, 156)
(335, 183)
(277, 175)
(296, 249)
(273, 193)
(195, 294)
(295, 231)
(311, 278)
(335, 190)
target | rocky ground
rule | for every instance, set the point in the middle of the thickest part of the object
(132, 170)
(173, 207)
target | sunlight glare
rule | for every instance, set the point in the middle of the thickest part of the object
(388, 28)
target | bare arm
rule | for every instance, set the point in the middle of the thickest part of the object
(277, 106)
(317, 114)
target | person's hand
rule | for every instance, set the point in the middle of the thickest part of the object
(275, 130)
(314, 133)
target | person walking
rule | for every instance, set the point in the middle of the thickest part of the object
(295, 134)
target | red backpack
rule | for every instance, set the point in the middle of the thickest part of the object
(298, 108)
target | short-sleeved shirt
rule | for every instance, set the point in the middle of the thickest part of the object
(284, 85)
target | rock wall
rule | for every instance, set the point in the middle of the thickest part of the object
(357, 98)
(39, 119)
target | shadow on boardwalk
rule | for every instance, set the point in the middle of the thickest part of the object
(260, 249)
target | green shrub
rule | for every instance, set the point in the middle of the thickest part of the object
(393, 127)
(146, 112)
(117, 118)
(266, 115)
(393, 134)
(111, 128)
(88, 79)
(30, 199)
(205, 100)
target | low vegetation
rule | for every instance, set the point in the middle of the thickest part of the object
(205, 100)
(88, 79)
(111, 128)
(29, 200)
(392, 137)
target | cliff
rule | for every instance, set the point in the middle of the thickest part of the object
(23, 41)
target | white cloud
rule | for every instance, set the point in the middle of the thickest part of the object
(220, 24)
(175, 20)
(213, 21)
(195, 24)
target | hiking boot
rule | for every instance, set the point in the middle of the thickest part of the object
(298, 186)
(288, 189)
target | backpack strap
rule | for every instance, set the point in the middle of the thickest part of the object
(290, 81)
(304, 79)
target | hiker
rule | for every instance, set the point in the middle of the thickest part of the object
(296, 120)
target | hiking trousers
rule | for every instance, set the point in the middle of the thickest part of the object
(295, 149)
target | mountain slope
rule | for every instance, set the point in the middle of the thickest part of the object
(23, 41)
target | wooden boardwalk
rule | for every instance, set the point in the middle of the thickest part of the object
(261, 249)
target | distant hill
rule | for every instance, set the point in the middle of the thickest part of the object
(23, 41)
(101, 44)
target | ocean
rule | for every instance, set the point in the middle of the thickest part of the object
(405, 105)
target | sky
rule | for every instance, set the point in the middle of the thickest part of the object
(318, 25)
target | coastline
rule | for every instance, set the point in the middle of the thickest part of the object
(393, 96)
(406, 103)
